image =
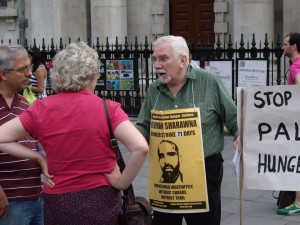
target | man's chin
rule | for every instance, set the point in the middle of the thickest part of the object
(164, 80)
(25, 86)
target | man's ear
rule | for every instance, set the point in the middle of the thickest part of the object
(183, 61)
(3, 75)
(295, 47)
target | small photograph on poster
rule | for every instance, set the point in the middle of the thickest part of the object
(119, 64)
(126, 75)
(126, 65)
(112, 75)
(126, 85)
(113, 85)
(112, 64)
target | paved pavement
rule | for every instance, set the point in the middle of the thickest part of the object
(258, 206)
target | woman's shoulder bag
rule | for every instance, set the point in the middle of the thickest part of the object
(136, 210)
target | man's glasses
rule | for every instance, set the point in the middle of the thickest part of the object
(161, 60)
(24, 69)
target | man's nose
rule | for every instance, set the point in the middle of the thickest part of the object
(28, 73)
(156, 64)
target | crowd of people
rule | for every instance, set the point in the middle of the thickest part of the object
(71, 126)
(81, 181)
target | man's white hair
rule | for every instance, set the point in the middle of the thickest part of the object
(178, 44)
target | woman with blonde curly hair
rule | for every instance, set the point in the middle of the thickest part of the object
(71, 125)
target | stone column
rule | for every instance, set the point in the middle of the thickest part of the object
(108, 19)
(220, 25)
(45, 21)
(253, 17)
(291, 16)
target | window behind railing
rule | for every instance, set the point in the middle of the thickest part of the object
(3, 3)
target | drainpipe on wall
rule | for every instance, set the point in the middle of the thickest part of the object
(22, 22)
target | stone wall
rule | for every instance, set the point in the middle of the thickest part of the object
(110, 18)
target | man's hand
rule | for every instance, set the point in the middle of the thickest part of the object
(238, 144)
(3, 204)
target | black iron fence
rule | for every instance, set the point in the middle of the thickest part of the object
(140, 53)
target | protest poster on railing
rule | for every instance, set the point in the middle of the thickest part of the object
(271, 137)
(117, 75)
(252, 72)
(224, 69)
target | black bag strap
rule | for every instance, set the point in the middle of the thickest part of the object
(128, 194)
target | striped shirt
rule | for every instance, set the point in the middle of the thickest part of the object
(19, 178)
(34, 83)
(202, 89)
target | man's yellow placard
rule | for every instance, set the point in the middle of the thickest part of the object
(177, 181)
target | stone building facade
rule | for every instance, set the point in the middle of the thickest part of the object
(92, 19)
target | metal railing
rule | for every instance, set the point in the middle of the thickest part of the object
(131, 100)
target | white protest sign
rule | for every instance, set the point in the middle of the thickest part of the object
(271, 137)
